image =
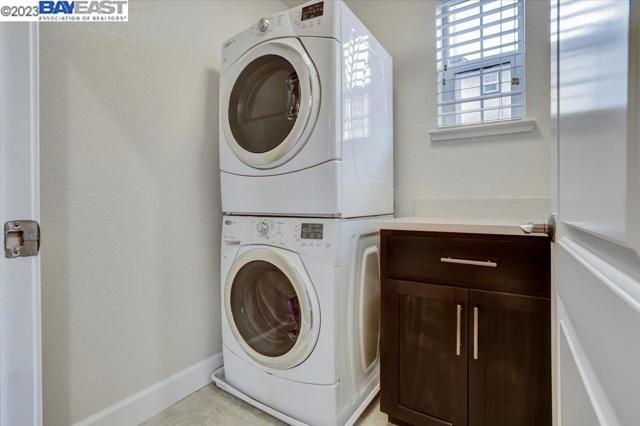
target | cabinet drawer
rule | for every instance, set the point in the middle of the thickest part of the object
(506, 263)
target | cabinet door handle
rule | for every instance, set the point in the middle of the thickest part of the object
(458, 325)
(475, 332)
(486, 263)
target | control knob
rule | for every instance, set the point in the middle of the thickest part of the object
(263, 228)
(263, 25)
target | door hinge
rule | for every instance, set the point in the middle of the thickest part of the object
(21, 238)
(548, 228)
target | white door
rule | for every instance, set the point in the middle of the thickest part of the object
(595, 95)
(20, 360)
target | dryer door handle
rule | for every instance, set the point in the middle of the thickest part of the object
(293, 96)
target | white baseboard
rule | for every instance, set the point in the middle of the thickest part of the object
(150, 401)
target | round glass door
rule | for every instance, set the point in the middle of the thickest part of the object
(271, 101)
(272, 313)
(264, 104)
(265, 308)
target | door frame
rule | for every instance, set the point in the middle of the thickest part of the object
(20, 311)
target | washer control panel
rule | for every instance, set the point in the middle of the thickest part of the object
(266, 230)
(311, 236)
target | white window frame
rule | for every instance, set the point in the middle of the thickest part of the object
(448, 107)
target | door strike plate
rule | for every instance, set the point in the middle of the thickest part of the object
(21, 238)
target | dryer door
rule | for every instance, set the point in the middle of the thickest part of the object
(272, 308)
(271, 97)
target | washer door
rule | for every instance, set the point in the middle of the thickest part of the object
(270, 103)
(273, 313)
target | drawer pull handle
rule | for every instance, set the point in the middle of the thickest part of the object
(486, 263)
(458, 325)
(475, 332)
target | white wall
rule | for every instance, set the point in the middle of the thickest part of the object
(505, 177)
(498, 175)
(130, 199)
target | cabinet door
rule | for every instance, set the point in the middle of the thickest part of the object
(509, 360)
(424, 353)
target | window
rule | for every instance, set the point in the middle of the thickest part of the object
(480, 60)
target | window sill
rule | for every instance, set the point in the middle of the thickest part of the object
(479, 130)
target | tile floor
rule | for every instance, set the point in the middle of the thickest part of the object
(211, 406)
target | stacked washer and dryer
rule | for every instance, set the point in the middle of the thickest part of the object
(306, 166)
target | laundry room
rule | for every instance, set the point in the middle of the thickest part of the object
(320, 213)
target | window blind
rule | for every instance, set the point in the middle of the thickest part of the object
(480, 61)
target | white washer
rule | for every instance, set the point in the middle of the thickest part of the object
(300, 315)
(306, 116)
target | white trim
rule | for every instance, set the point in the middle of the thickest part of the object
(143, 405)
(36, 278)
(480, 130)
(621, 284)
(597, 395)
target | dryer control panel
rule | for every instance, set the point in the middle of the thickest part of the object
(308, 16)
(312, 19)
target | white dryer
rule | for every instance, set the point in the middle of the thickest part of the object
(300, 316)
(306, 116)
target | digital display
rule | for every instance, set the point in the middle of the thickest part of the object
(312, 11)
(311, 231)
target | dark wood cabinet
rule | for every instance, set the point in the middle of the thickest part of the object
(429, 385)
(510, 375)
(453, 353)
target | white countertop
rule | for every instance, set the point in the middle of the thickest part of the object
(462, 225)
